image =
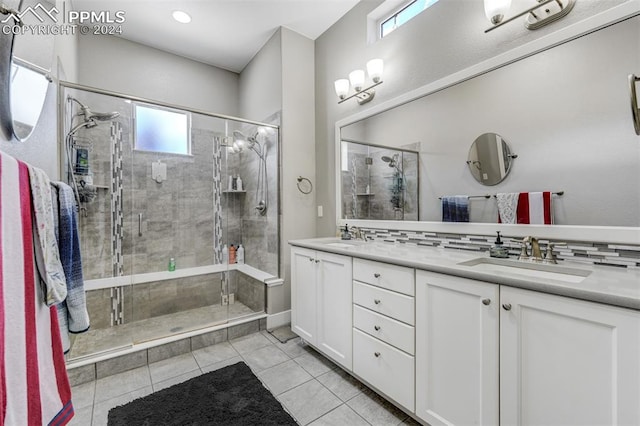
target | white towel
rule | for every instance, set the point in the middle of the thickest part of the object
(47, 253)
(535, 208)
(507, 206)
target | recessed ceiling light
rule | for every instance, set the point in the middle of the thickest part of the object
(182, 17)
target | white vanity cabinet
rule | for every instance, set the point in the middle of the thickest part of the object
(457, 348)
(321, 302)
(490, 354)
(567, 362)
(383, 333)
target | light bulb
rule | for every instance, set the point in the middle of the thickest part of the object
(356, 78)
(374, 69)
(342, 87)
(182, 17)
(496, 9)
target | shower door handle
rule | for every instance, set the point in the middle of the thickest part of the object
(139, 224)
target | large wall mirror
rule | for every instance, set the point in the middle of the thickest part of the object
(564, 112)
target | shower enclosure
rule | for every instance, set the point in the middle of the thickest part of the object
(379, 182)
(161, 191)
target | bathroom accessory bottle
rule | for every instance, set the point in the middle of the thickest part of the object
(345, 233)
(232, 254)
(498, 249)
(172, 264)
(239, 183)
(240, 254)
(230, 188)
(225, 254)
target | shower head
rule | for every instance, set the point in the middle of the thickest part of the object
(387, 159)
(241, 139)
(90, 116)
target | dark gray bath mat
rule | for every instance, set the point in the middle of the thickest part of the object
(283, 334)
(229, 396)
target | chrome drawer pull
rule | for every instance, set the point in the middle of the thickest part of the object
(377, 327)
(506, 306)
(377, 354)
(376, 275)
(486, 302)
(376, 301)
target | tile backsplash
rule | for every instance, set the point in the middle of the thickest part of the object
(609, 254)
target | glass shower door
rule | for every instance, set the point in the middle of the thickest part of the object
(178, 284)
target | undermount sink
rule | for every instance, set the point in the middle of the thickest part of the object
(341, 245)
(528, 269)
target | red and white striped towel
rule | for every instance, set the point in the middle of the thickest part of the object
(535, 208)
(34, 388)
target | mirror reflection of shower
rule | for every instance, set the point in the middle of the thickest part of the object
(77, 150)
(397, 185)
(242, 142)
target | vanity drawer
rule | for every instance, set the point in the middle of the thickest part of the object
(392, 277)
(385, 367)
(389, 303)
(388, 330)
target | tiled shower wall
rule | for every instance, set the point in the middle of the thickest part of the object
(180, 216)
(608, 254)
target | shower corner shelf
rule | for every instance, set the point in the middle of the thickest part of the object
(233, 191)
(365, 194)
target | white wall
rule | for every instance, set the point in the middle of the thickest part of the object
(446, 38)
(298, 145)
(260, 84)
(119, 65)
(281, 78)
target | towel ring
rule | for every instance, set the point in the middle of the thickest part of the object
(303, 187)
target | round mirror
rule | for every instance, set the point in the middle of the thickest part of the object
(27, 72)
(490, 159)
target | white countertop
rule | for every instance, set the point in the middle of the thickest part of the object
(605, 284)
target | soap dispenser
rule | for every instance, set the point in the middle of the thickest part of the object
(345, 233)
(498, 249)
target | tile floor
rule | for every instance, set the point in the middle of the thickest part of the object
(314, 390)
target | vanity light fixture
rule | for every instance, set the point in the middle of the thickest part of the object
(542, 13)
(182, 17)
(357, 81)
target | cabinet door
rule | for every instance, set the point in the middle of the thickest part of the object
(567, 362)
(303, 293)
(457, 349)
(334, 307)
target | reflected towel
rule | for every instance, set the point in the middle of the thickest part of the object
(535, 208)
(455, 208)
(507, 205)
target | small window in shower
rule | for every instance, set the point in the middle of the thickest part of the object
(160, 129)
